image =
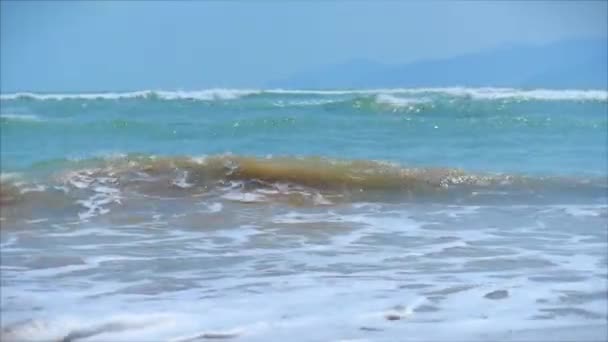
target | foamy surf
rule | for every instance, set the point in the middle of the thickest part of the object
(266, 215)
(123, 180)
(376, 271)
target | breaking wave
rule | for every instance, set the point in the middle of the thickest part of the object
(203, 95)
(233, 94)
(94, 186)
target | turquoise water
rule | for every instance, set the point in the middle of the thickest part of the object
(499, 131)
(368, 215)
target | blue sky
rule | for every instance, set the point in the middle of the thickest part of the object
(112, 45)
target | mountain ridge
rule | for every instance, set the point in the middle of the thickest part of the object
(562, 64)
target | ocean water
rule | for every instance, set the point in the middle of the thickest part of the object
(466, 214)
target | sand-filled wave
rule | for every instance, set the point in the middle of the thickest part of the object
(95, 185)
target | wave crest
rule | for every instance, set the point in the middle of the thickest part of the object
(175, 176)
(90, 188)
(233, 94)
(204, 95)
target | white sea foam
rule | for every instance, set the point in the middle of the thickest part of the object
(21, 117)
(521, 94)
(579, 211)
(318, 199)
(71, 328)
(11, 241)
(295, 217)
(182, 181)
(34, 188)
(486, 93)
(395, 101)
(207, 95)
(214, 207)
(304, 103)
(374, 271)
(6, 176)
(208, 335)
(244, 197)
(95, 204)
(76, 96)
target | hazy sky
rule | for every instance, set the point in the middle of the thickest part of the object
(119, 45)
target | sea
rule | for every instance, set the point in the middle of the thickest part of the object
(423, 214)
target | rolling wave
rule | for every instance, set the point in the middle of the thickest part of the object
(96, 184)
(234, 94)
(203, 95)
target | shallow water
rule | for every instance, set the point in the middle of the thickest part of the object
(502, 238)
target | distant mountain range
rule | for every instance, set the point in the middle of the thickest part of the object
(564, 64)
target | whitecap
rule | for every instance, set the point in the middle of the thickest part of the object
(21, 117)
(489, 93)
(483, 93)
(387, 99)
(206, 94)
